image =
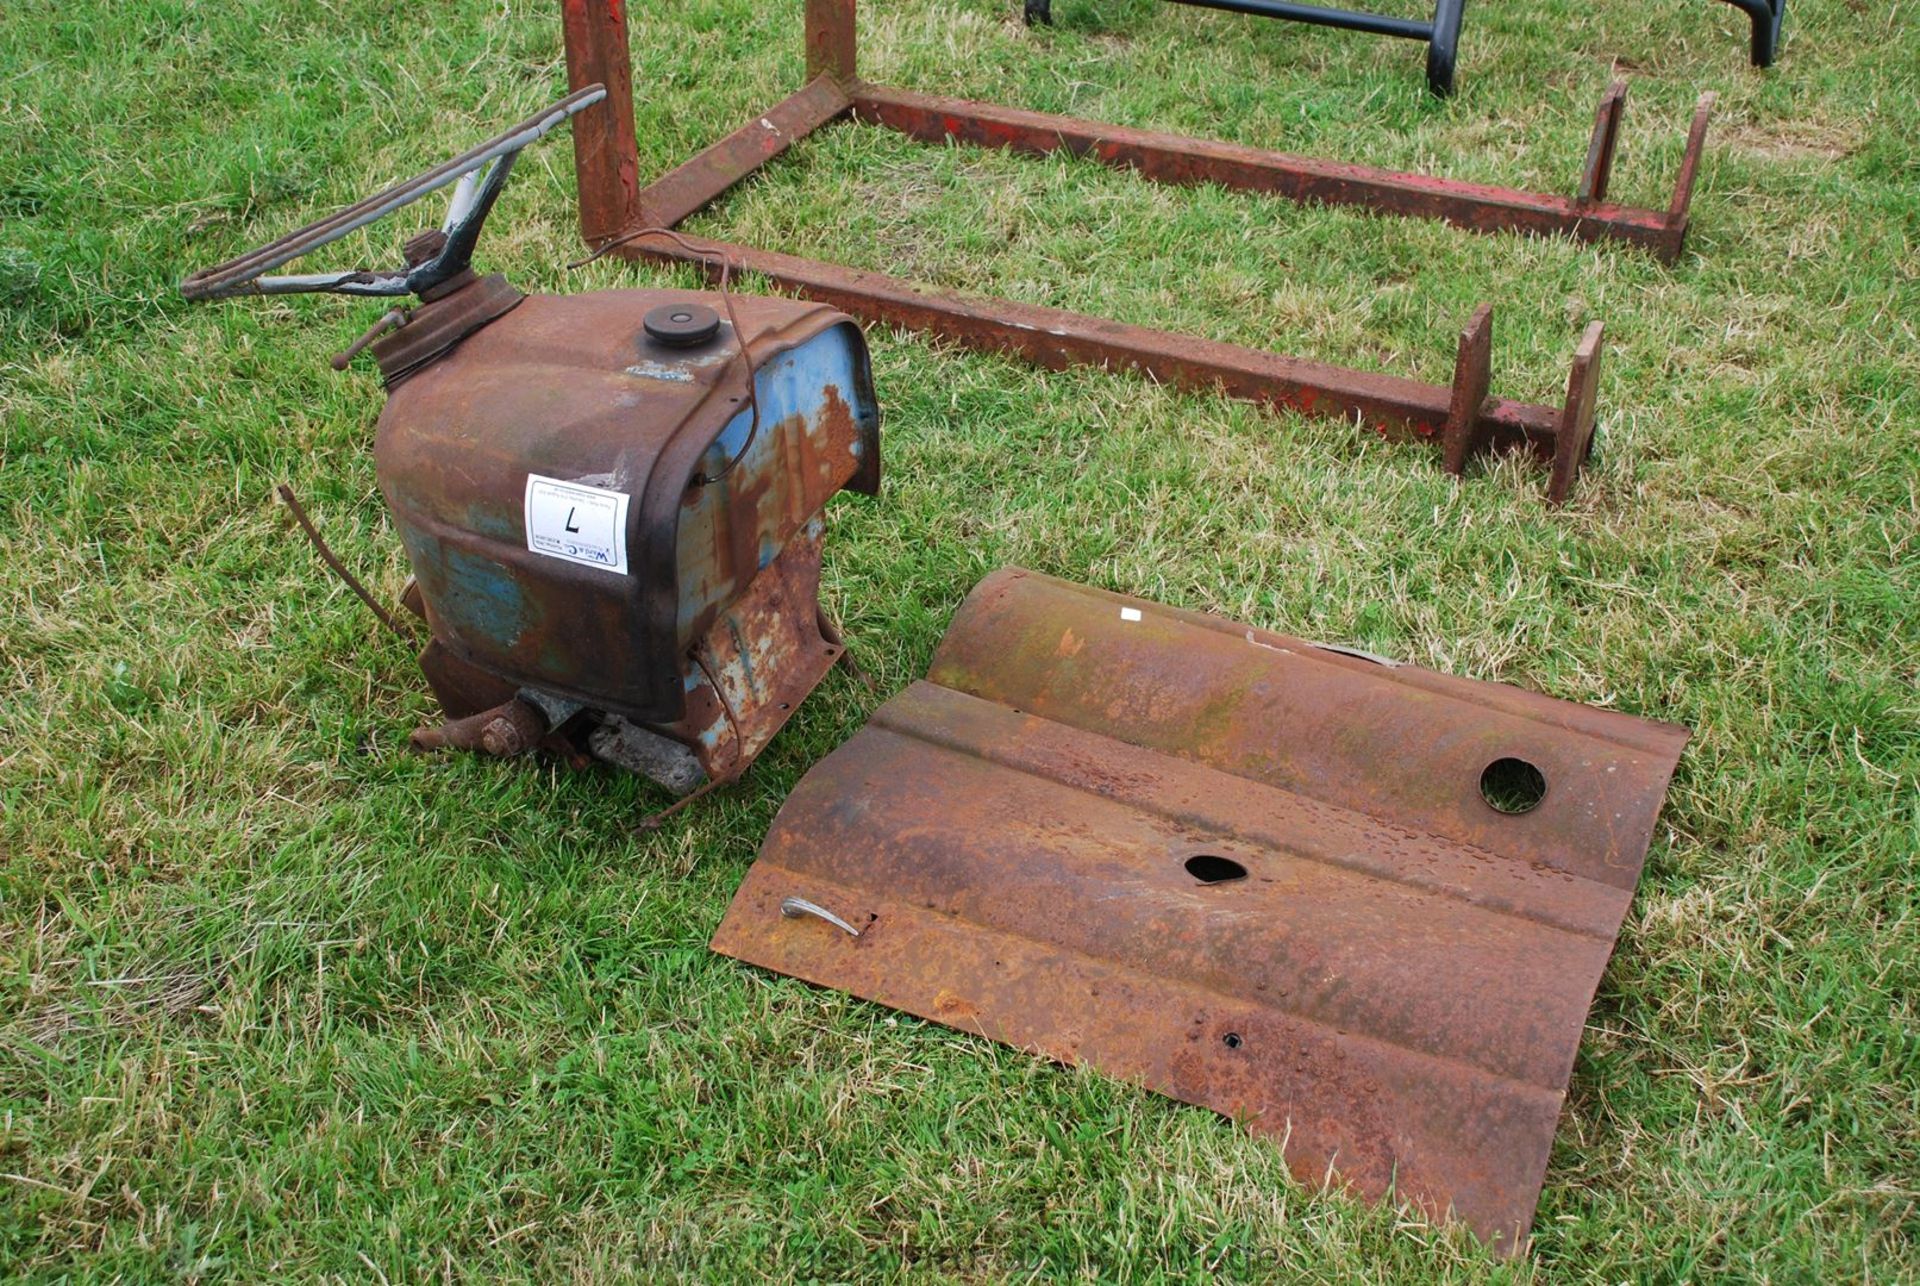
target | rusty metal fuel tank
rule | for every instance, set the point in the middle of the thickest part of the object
(612, 502)
(1359, 905)
(593, 514)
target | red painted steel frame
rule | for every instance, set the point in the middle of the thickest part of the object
(615, 210)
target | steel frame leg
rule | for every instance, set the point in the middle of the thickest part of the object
(1443, 48)
(1767, 17)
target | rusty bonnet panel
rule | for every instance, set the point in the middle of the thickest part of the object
(1242, 870)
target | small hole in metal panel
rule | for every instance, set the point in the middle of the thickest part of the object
(1232, 1040)
(1210, 868)
(1512, 786)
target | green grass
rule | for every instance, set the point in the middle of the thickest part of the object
(280, 1000)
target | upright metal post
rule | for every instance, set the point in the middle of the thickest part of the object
(606, 154)
(1443, 46)
(1606, 138)
(830, 40)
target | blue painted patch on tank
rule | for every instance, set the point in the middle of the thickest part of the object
(793, 384)
(480, 599)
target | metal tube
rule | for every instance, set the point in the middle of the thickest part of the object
(1765, 16)
(1345, 19)
(232, 276)
(1444, 49)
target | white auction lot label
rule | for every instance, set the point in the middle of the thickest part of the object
(576, 522)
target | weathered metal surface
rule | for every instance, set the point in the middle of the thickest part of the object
(1389, 405)
(1169, 158)
(758, 660)
(1242, 870)
(1573, 443)
(573, 388)
(1056, 338)
(611, 502)
(428, 334)
(1465, 435)
(1598, 170)
(604, 152)
(691, 186)
(1690, 163)
(831, 40)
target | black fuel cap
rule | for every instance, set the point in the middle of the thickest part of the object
(682, 325)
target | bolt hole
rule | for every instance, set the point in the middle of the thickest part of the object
(1232, 1040)
(1512, 786)
(1210, 868)
(786, 705)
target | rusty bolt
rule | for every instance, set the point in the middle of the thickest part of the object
(502, 737)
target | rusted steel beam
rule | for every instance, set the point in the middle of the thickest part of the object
(831, 40)
(1606, 138)
(1690, 163)
(1462, 414)
(606, 154)
(1465, 435)
(690, 186)
(1387, 404)
(1574, 440)
(1170, 158)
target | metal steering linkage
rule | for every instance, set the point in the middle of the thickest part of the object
(467, 210)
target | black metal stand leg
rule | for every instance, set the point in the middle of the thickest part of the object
(1766, 36)
(1444, 46)
(1767, 16)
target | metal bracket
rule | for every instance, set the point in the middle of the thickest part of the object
(613, 205)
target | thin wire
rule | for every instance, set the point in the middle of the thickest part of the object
(739, 336)
(340, 568)
(653, 821)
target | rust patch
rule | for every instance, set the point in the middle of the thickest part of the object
(1242, 870)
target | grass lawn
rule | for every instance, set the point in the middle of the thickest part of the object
(279, 999)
